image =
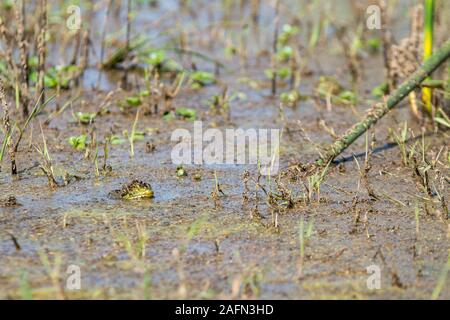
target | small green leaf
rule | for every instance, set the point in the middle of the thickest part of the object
(347, 96)
(138, 136)
(286, 33)
(381, 90)
(78, 142)
(171, 65)
(144, 93)
(292, 97)
(186, 113)
(373, 44)
(116, 140)
(269, 73)
(442, 121)
(85, 117)
(285, 53)
(156, 58)
(133, 101)
(283, 73)
(201, 78)
(168, 115)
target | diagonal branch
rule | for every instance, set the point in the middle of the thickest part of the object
(381, 109)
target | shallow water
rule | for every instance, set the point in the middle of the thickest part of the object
(84, 226)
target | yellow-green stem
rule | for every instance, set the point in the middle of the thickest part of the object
(428, 50)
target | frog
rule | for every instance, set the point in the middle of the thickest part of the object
(134, 190)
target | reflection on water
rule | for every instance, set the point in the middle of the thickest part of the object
(205, 25)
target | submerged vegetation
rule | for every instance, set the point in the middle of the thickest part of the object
(90, 102)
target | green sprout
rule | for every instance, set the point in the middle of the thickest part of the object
(78, 142)
(283, 73)
(187, 113)
(158, 60)
(58, 76)
(199, 79)
(287, 32)
(116, 140)
(330, 88)
(291, 98)
(133, 101)
(85, 117)
(168, 116)
(4, 144)
(381, 90)
(401, 142)
(285, 54)
(373, 45)
(347, 96)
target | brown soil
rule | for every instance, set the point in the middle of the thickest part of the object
(196, 248)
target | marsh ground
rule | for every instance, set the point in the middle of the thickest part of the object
(182, 243)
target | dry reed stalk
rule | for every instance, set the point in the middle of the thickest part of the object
(127, 47)
(352, 59)
(255, 4)
(7, 128)
(23, 70)
(405, 57)
(85, 43)
(386, 39)
(102, 46)
(76, 48)
(85, 56)
(275, 47)
(41, 50)
(7, 38)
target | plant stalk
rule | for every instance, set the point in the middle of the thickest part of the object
(427, 93)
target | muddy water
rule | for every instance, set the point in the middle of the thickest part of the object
(194, 247)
